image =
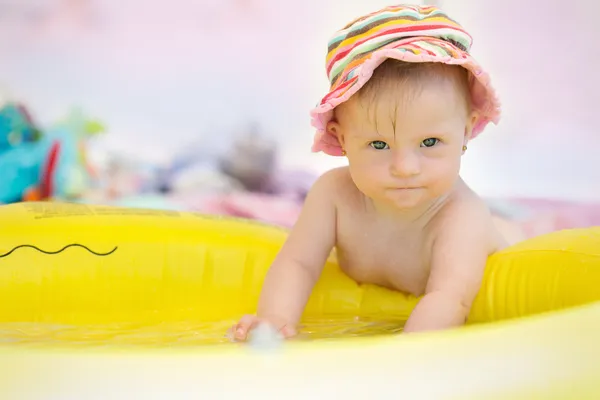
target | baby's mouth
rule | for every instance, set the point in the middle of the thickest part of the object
(405, 188)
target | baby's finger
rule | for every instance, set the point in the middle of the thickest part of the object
(230, 334)
(242, 328)
(288, 331)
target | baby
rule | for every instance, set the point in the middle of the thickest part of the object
(406, 97)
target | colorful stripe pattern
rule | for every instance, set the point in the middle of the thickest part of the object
(349, 47)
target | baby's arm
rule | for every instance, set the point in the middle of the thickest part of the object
(460, 252)
(298, 265)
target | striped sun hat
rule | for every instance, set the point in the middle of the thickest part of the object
(404, 32)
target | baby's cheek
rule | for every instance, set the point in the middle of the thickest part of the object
(444, 176)
(367, 178)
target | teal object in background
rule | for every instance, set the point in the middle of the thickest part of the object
(16, 127)
(20, 170)
(66, 177)
(70, 176)
(21, 153)
(51, 162)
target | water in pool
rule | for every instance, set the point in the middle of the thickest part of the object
(176, 334)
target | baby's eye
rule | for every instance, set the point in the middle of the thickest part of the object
(379, 145)
(429, 142)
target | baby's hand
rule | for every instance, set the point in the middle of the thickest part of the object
(242, 329)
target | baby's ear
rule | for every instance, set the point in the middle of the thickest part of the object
(471, 121)
(334, 129)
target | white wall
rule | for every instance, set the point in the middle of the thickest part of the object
(162, 74)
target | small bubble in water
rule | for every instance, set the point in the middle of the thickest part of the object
(265, 337)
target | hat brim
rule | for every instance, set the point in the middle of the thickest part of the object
(483, 95)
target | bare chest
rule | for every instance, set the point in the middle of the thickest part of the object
(375, 253)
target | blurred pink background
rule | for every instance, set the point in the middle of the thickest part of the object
(163, 74)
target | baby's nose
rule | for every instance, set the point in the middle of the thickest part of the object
(405, 164)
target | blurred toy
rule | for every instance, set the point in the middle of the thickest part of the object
(252, 161)
(16, 126)
(68, 173)
(20, 152)
(42, 165)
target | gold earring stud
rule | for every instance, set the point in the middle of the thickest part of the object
(464, 148)
(343, 152)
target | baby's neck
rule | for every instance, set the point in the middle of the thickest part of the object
(420, 215)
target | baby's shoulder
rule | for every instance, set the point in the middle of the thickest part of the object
(464, 234)
(336, 184)
(466, 202)
(464, 210)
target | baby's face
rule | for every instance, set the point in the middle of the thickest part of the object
(405, 151)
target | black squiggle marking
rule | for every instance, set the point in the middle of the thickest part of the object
(59, 251)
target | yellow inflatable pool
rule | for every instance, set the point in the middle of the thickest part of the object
(103, 302)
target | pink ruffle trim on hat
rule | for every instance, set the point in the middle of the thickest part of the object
(483, 95)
